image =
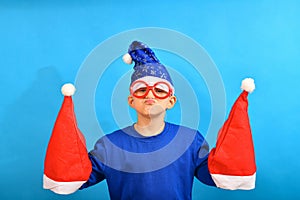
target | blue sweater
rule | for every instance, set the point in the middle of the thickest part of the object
(157, 167)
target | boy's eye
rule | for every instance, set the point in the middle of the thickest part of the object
(140, 90)
(158, 90)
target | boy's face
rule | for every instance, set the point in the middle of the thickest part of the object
(151, 99)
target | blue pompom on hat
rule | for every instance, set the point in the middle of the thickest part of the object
(146, 63)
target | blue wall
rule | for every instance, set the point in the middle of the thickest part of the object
(43, 45)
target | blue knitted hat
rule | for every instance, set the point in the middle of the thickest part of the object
(146, 63)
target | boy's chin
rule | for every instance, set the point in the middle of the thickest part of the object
(156, 110)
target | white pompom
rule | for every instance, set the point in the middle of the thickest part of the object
(248, 85)
(68, 89)
(127, 58)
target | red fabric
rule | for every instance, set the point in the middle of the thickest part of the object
(234, 151)
(66, 157)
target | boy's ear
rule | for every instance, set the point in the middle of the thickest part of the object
(172, 102)
(130, 100)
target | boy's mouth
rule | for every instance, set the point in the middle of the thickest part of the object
(149, 101)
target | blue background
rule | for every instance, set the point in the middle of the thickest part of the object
(43, 44)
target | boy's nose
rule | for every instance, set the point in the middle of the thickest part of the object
(150, 94)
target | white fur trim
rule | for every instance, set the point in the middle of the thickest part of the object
(68, 89)
(127, 58)
(234, 182)
(151, 80)
(61, 187)
(248, 85)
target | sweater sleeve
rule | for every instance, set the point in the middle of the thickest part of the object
(202, 151)
(96, 156)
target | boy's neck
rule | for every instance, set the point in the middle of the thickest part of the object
(149, 126)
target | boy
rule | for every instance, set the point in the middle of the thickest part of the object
(151, 94)
(154, 159)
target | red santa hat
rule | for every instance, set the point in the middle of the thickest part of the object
(232, 162)
(67, 165)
